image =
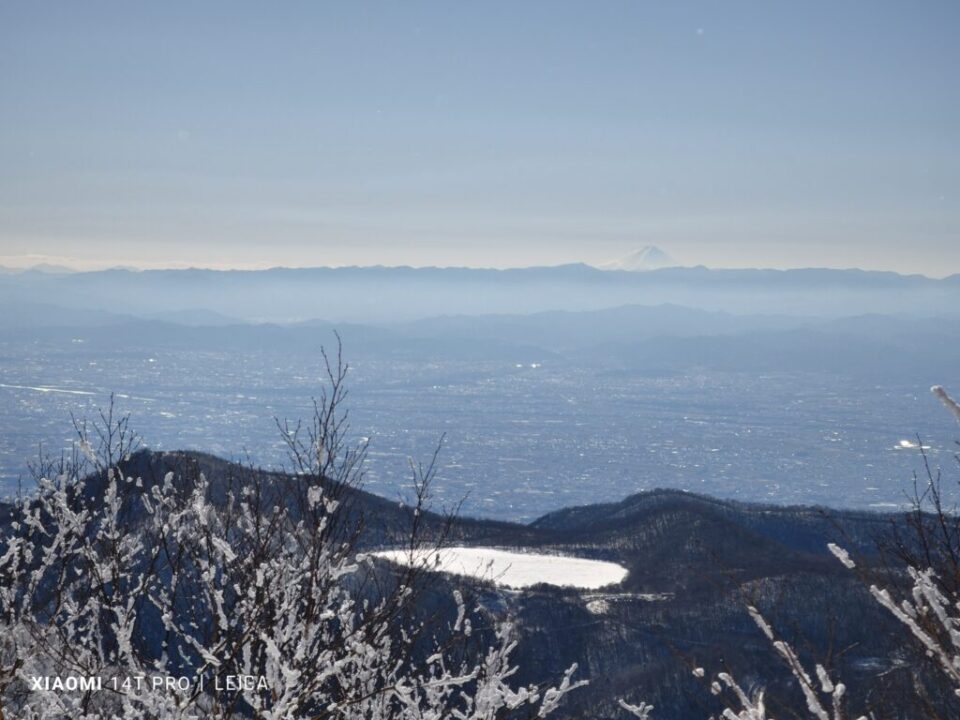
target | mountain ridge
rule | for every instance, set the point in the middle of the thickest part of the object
(383, 294)
(693, 561)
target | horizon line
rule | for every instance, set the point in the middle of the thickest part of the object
(61, 266)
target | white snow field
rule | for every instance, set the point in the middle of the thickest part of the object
(514, 569)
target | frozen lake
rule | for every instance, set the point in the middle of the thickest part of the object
(514, 569)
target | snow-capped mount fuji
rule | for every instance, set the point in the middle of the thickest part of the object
(649, 257)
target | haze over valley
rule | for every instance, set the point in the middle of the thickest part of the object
(553, 386)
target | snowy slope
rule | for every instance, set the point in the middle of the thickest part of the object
(646, 258)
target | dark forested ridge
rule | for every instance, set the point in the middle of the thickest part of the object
(694, 563)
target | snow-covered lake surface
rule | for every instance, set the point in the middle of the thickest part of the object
(514, 569)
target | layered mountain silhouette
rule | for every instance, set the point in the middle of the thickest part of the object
(391, 294)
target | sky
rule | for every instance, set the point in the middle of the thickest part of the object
(493, 134)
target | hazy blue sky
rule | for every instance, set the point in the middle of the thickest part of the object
(495, 134)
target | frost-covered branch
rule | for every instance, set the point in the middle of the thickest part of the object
(932, 618)
(948, 402)
(249, 589)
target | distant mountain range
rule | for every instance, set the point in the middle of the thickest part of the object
(661, 340)
(46, 268)
(381, 294)
(663, 322)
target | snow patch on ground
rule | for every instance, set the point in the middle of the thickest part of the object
(598, 607)
(603, 603)
(514, 569)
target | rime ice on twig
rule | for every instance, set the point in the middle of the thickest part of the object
(255, 577)
(948, 402)
(825, 699)
(641, 711)
(929, 604)
(930, 616)
(842, 555)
